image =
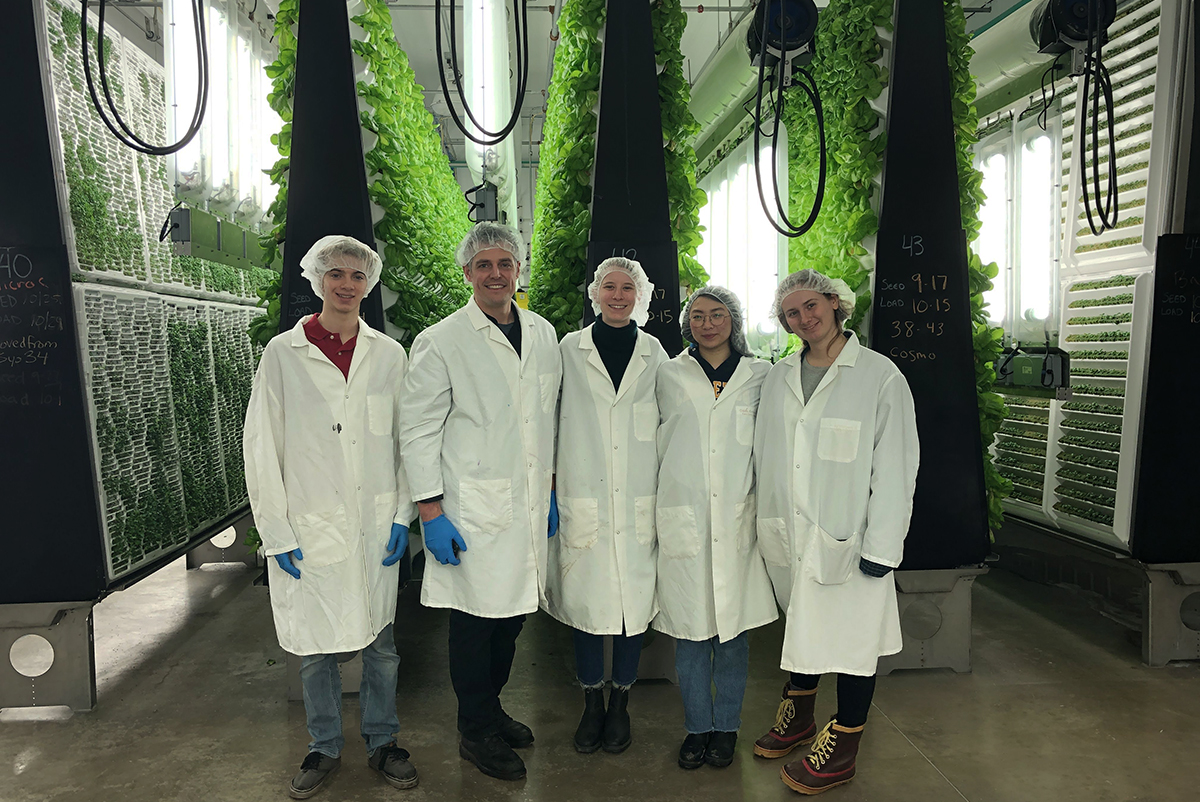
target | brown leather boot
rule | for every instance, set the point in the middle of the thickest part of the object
(829, 762)
(794, 725)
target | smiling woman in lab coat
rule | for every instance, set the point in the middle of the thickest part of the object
(836, 454)
(602, 564)
(712, 584)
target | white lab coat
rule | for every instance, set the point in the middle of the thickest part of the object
(835, 483)
(711, 577)
(324, 475)
(478, 426)
(602, 564)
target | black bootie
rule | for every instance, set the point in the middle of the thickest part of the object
(616, 722)
(591, 725)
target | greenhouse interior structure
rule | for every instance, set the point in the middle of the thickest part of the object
(969, 225)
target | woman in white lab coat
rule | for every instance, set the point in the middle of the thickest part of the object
(836, 456)
(712, 584)
(602, 564)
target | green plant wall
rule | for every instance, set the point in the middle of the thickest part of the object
(167, 377)
(849, 78)
(562, 217)
(679, 131)
(408, 177)
(988, 339)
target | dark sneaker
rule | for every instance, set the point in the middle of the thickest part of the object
(314, 771)
(720, 749)
(691, 753)
(392, 762)
(493, 757)
(514, 733)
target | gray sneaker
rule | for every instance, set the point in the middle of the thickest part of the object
(392, 762)
(314, 771)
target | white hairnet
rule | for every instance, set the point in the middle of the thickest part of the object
(809, 279)
(642, 286)
(336, 251)
(737, 337)
(486, 235)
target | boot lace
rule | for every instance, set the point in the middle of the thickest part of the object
(783, 718)
(823, 748)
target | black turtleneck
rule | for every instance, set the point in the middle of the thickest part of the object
(615, 346)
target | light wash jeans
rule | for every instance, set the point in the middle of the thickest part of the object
(376, 696)
(702, 664)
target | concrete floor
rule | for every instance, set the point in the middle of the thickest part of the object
(192, 706)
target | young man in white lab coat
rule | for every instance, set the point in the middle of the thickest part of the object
(478, 412)
(331, 502)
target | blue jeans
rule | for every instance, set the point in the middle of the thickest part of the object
(702, 664)
(589, 659)
(376, 696)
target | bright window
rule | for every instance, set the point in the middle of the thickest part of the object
(741, 251)
(1020, 226)
(222, 168)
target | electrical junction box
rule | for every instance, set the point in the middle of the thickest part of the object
(1035, 368)
(195, 232)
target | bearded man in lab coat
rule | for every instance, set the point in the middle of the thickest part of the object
(331, 503)
(478, 412)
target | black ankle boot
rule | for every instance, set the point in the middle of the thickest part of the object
(591, 725)
(616, 722)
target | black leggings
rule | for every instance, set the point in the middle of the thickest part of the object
(854, 694)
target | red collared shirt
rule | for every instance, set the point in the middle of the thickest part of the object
(331, 345)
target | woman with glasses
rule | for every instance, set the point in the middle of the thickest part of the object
(712, 584)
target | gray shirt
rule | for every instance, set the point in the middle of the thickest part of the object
(810, 377)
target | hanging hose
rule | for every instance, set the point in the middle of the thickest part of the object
(521, 27)
(126, 135)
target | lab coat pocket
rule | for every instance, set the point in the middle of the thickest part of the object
(485, 506)
(678, 537)
(838, 440)
(745, 425)
(828, 560)
(645, 421)
(643, 518)
(379, 414)
(322, 538)
(743, 519)
(549, 391)
(773, 541)
(578, 522)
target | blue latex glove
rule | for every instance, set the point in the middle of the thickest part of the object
(443, 541)
(285, 561)
(397, 544)
(873, 568)
(552, 518)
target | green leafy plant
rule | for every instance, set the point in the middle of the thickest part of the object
(1100, 284)
(1088, 459)
(679, 129)
(1088, 442)
(1099, 337)
(1092, 320)
(1090, 496)
(1098, 479)
(1107, 372)
(1099, 354)
(1022, 479)
(1026, 496)
(562, 220)
(1018, 447)
(1093, 389)
(409, 177)
(1092, 425)
(1022, 461)
(1098, 409)
(1030, 434)
(1086, 513)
